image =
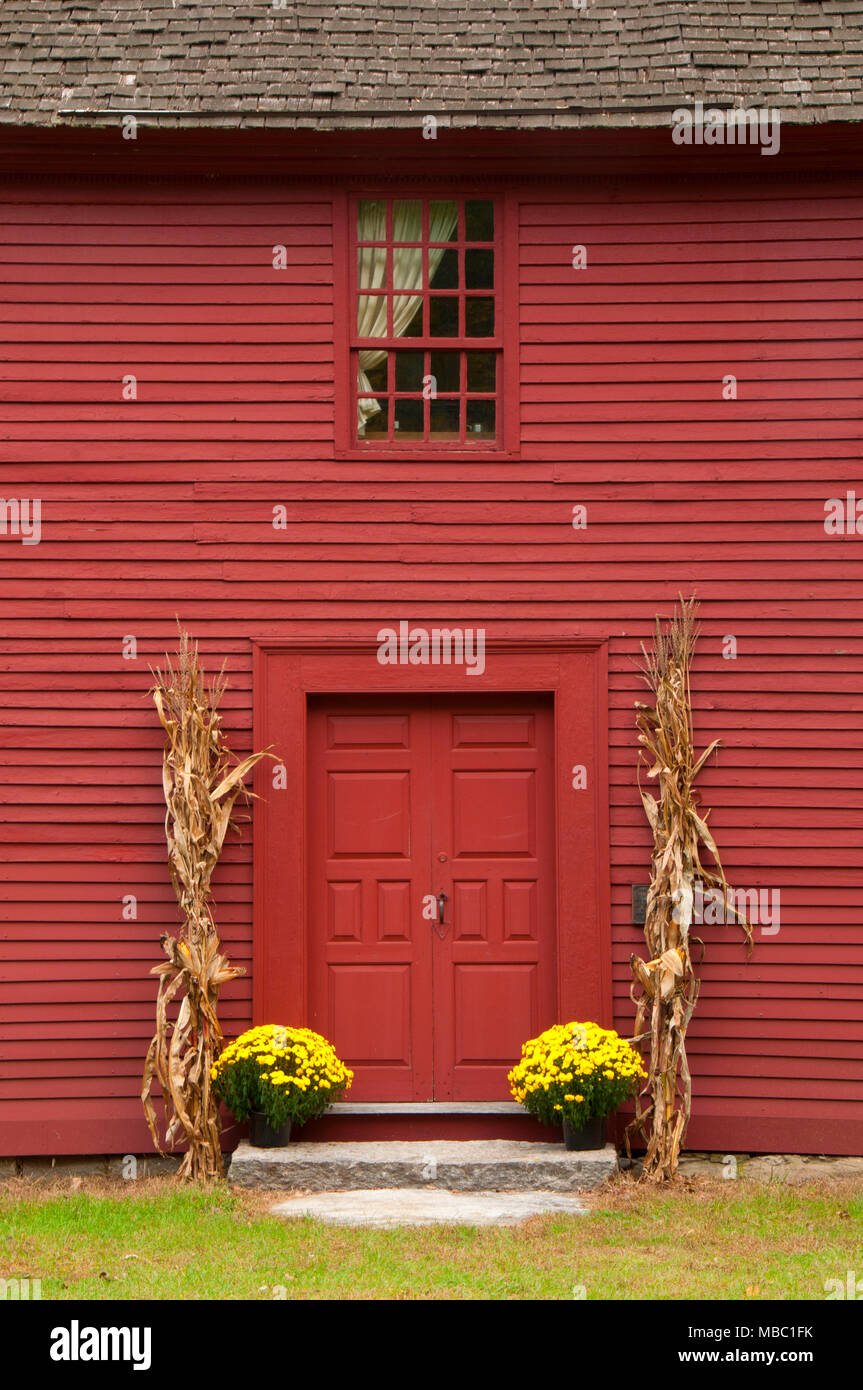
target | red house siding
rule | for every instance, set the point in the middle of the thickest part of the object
(163, 506)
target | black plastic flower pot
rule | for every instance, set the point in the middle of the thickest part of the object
(592, 1136)
(263, 1136)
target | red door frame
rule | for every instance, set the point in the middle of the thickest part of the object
(287, 671)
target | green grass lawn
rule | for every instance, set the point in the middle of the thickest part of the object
(703, 1239)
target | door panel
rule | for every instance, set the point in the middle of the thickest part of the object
(412, 797)
(492, 817)
(368, 849)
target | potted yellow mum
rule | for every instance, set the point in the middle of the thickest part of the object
(274, 1077)
(576, 1074)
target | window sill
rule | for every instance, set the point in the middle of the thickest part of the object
(431, 453)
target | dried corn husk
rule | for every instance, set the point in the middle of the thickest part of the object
(200, 789)
(665, 988)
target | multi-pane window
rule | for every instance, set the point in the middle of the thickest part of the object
(426, 338)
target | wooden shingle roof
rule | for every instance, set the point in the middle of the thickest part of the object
(515, 63)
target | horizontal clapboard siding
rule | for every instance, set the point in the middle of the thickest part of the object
(164, 506)
(624, 362)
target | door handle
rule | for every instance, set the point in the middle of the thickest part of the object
(439, 923)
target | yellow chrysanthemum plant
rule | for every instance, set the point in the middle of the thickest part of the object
(575, 1072)
(283, 1073)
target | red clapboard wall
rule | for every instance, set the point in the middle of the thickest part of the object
(161, 507)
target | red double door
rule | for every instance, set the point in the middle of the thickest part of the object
(430, 997)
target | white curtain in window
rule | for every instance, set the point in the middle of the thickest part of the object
(407, 276)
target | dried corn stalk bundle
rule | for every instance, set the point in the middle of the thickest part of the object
(200, 790)
(665, 988)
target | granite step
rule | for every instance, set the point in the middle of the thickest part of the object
(454, 1165)
(423, 1121)
(437, 1108)
(389, 1207)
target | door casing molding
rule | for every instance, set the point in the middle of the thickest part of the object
(286, 671)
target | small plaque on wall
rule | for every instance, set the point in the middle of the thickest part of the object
(639, 902)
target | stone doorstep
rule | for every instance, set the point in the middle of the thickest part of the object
(470, 1108)
(454, 1165)
(385, 1208)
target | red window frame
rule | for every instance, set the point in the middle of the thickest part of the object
(348, 444)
